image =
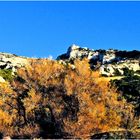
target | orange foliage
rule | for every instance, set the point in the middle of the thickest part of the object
(55, 99)
(100, 109)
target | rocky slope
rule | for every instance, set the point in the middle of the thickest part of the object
(110, 62)
(11, 62)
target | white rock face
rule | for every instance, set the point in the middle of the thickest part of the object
(75, 52)
(106, 59)
(109, 69)
(109, 56)
(93, 55)
(73, 47)
(10, 61)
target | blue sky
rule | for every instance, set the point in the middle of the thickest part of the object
(48, 28)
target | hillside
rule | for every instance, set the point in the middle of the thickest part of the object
(110, 62)
(70, 97)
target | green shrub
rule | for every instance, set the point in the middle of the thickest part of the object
(128, 72)
(104, 75)
(117, 72)
(138, 71)
(6, 74)
(130, 88)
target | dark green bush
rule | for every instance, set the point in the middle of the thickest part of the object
(138, 71)
(130, 88)
(104, 75)
(128, 72)
(117, 72)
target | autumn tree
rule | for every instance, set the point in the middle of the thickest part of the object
(53, 100)
(99, 107)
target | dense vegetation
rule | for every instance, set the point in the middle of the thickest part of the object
(6, 74)
(50, 100)
(128, 54)
(130, 89)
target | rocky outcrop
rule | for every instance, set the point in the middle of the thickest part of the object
(118, 68)
(111, 61)
(10, 61)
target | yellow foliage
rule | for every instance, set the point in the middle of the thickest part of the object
(48, 94)
(31, 103)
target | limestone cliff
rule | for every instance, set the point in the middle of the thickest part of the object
(110, 62)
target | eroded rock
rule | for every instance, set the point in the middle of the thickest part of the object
(10, 61)
(111, 61)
